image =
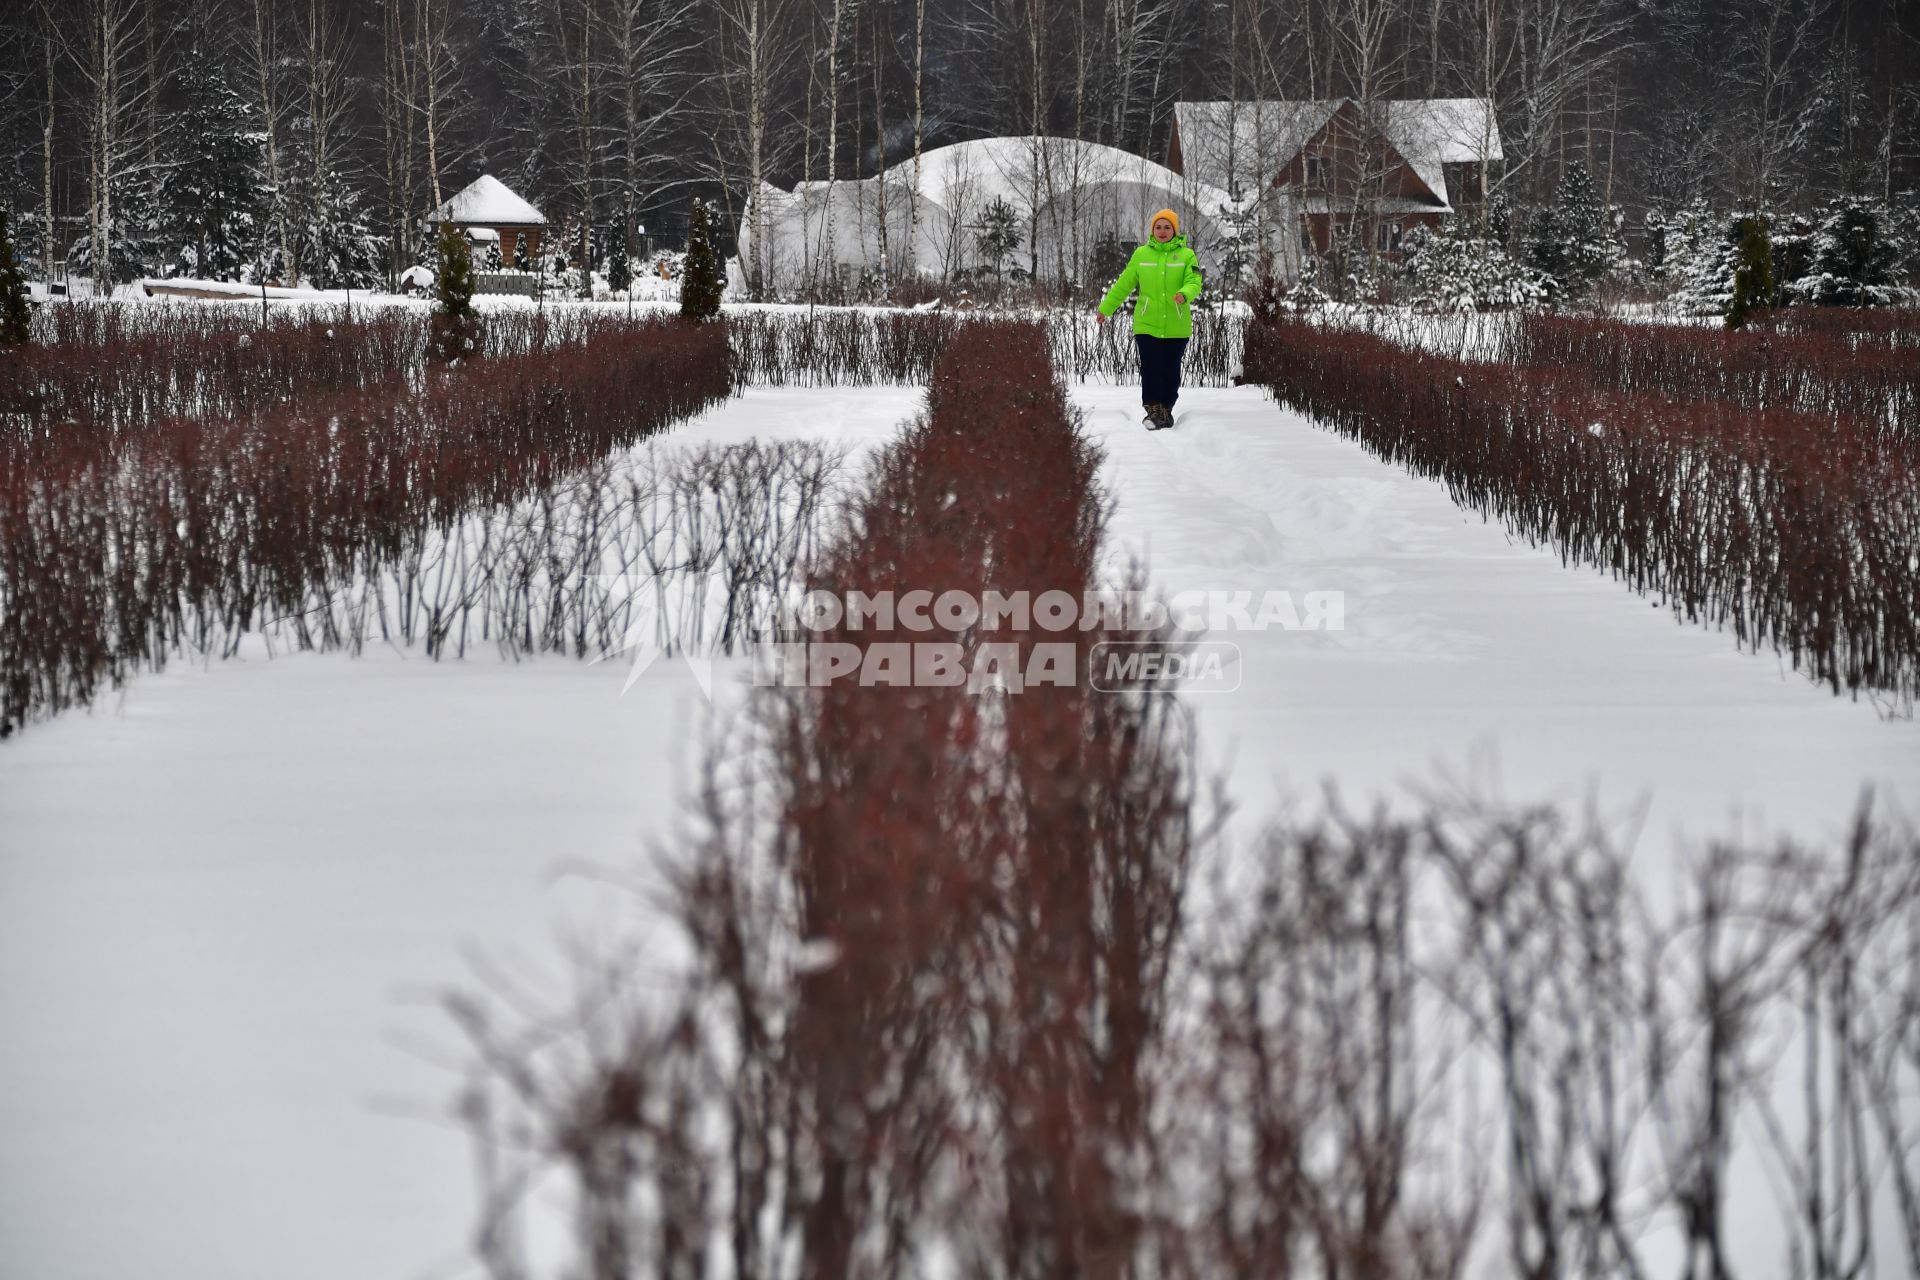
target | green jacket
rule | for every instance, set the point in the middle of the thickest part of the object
(1159, 271)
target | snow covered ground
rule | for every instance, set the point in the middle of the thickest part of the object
(1464, 647)
(227, 897)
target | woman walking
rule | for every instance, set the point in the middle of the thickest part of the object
(1167, 275)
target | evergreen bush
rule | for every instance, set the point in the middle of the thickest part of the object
(701, 284)
(620, 265)
(1457, 270)
(1853, 257)
(997, 235)
(212, 190)
(16, 318)
(456, 326)
(1752, 271)
(1572, 242)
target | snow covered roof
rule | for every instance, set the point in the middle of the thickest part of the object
(971, 175)
(488, 202)
(1431, 132)
(1067, 194)
(1245, 144)
(1248, 143)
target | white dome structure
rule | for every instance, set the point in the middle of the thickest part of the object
(1072, 202)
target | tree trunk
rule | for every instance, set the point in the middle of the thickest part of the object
(46, 151)
(919, 118)
(265, 56)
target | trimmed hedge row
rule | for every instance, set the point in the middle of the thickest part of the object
(997, 881)
(195, 530)
(1820, 371)
(1801, 531)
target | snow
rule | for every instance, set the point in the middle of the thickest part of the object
(228, 896)
(1247, 143)
(1244, 144)
(219, 290)
(490, 202)
(1464, 648)
(1071, 191)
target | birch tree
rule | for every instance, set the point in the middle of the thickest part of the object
(270, 105)
(326, 103)
(754, 52)
(574, 23)
(113, 61)
(651, 45)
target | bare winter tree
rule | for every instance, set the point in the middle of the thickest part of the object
(1707, 1047)
(1563, 45)
(108, 46)
(418, 79)
(651, 45)
(326, 108)
(1842, 967)
(397, 135)
(754, 50)
(49, 38)
(919, 130)
(575, 25)
(1770, 79)
(267, 64)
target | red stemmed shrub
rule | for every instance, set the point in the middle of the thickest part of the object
(198, 528)
(1797, 529)
(1819, 371)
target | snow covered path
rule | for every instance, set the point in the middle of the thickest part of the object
(1465, 650)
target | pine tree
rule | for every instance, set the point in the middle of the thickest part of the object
(1752, 272)
(1702, 252)
(212, 191)
(16, 319)
(522, 260)
(1239, 247)
(1853, 258)
(133, 237)
(1456, 270)
(620, 265)
(1791, 239)
(1572, 240)
(701, 285)
(1903, 240)
(456, 327)
(1107, 259)
(1657, 237)
(998, 234)
(337, 249)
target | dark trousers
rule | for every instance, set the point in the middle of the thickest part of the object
(1160, 368)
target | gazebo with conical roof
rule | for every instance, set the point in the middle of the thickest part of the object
(488, 204)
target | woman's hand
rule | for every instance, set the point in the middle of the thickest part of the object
(1180, 298)
(1099, 316)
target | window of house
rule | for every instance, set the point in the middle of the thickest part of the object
(1463, 182)
(1389, 233)
(1316, 172)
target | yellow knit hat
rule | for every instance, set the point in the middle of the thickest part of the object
(1169, 215)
